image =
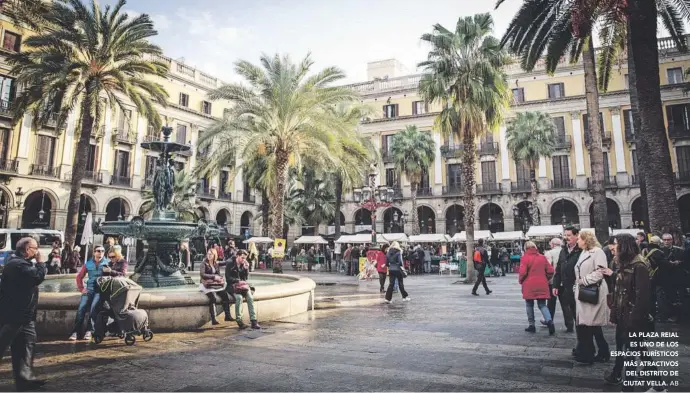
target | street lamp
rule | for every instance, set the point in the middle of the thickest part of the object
(19, 195)
(367, 198)
(42, 213)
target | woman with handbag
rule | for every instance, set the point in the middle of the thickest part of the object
(535, 273)
(396, 270)
(237, 274)
(591, 309)
(212, 283)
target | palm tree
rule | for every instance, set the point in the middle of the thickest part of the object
(98, 52)
(464, 73)
(413, 152)
(286, 113)
(27, 13)
(530, 135)
(184, 198)
(254, 170)
(312, 199)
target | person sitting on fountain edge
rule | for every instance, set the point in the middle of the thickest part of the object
(212, 282)
(236, 275)
(90, 298)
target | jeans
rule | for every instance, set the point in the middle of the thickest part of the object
(541, 304)
(250, 305)
(396, 277)
(382, 280)
(89, 301)
(21, 339)
(480, 280)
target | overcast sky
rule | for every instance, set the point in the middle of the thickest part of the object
(212, 34)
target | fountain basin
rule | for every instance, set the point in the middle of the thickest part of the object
(179, 309)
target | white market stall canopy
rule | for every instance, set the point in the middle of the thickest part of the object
(359, 239)
(430, 238)
(311, 240)
(393, 237)
(545, 231)
(259, 240)
(632, 231)
(462, 236)
(508, 236)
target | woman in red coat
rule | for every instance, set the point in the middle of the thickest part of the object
(535, 272)
(381, 267)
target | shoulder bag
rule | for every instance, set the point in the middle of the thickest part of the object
(588, 293)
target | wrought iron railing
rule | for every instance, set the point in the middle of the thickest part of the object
(453, 189)
(489, 188)
(9, 166)
(425, 191)
(451, 151)
(521, 186)
(562, 184)
(117, 180)
(43, 170)
(488, 148)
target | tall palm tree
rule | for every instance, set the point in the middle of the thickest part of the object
(27, 13)
(287, 113)
(464, 72)
(530, 135)
(413, 152)
(312, 199)
(183, 201)
(89, 53)
(254, 170)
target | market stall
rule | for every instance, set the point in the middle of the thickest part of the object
(259, 240)
(631, 231)
(320, 258)
(435, 261)
(393, 237)
(462, 236)
(362, 238)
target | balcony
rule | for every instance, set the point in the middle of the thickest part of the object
(43, 170)
(487, 148)
(563, 142)
(206, 192)
(397, 193)
(425, 191)
(225, 195)
(5, 109)
(248, 198)
(521, 187)
(453, 190)
(124, 181)
(683, 178)
(451, 151)
(11, 166)
(89, 176)
(386, 156)
(489, 189)
(605, 137)
(562, 184)
(678, 131)
(609, 182)
(122, 135)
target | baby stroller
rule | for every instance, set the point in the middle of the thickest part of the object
(120, 297)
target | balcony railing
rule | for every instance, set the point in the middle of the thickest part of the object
(51, 122)
(43, 170)
(397, 193)
(225, 195)
(5, 108)
(151, 138)
(563, 142)
(89, 176)
(125, 136)
(249, 198)
(487, 148)
(605, 137)
(453, 189)
(124, 181)
(521, 186)
(489, 189)
(562, 184)
(205, 192)
(425, 191)
(678, 131)
(11, 166)
(683, 177)
(609, 182)
(451, 151)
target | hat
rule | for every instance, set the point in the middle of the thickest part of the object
(655, 240)
(395, 245)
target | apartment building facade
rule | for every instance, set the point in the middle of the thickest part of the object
(36, 160)
(503, 186)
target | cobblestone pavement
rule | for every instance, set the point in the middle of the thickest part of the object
(443, 340)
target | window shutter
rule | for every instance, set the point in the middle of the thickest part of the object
(627, 124)
(397, 110)
(414, 107)
(385, 113)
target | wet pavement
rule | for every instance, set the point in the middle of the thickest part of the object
(443, 340)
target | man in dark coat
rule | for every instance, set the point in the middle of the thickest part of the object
(480, 266)
(23, 272)
(564, 279)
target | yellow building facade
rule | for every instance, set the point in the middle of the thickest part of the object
(36, 161)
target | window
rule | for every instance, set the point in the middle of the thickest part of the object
(561, 171)
(45, 151)
(454, 172)
(522, 171)
(390, 111)
(633, 155)
(150, 170)
(184, 99)
(92, 158)
(4, 144)
(488, 174)
(12, 41)
(556, 90)
(386, 143)
(628, 122)
(206, 107)
(392, 178)
(607, 170)
(424, 180)
(683, 157)
(224, 180)
(559, 123)
(419, 108)
(519, 95)
(7, 91)
(678, 120)
(181, 135)
(674, 75)
(488, 138)
(626, 81)
(121, 168)
(585, 122)
(124, 121)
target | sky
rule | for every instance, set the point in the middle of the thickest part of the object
(212, 34)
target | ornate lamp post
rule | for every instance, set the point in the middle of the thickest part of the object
(367, 199)
(19, 196)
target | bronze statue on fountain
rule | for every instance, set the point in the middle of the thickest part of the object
(159, 265)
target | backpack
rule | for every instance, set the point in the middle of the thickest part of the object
(477, 256)
(645, 257)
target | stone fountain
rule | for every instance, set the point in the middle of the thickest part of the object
(159, 266)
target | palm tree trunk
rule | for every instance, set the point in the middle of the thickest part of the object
(278, 201)
(637, 125)
(415, 219)
(468, 169)
(265, 209)
(596, 154)
(664, 216)
(78, 171)
(536, 216)
(338, 204)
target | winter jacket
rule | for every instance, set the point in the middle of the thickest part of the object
(564, 279)
(485, 258)
(394, 260)
(587, 272)
(118, 268)
(381, 262)
(19, 290)
(94, 271)
(535, 272)
(631, 297)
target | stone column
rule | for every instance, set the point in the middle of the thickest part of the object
(626, 219)
(508, 222)
(584, 220)
(578, 145)
(23, 144)
(618, 141)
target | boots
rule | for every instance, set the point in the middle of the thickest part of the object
(212, 310)
(241, 324)
(226, 311)
(255, 325)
